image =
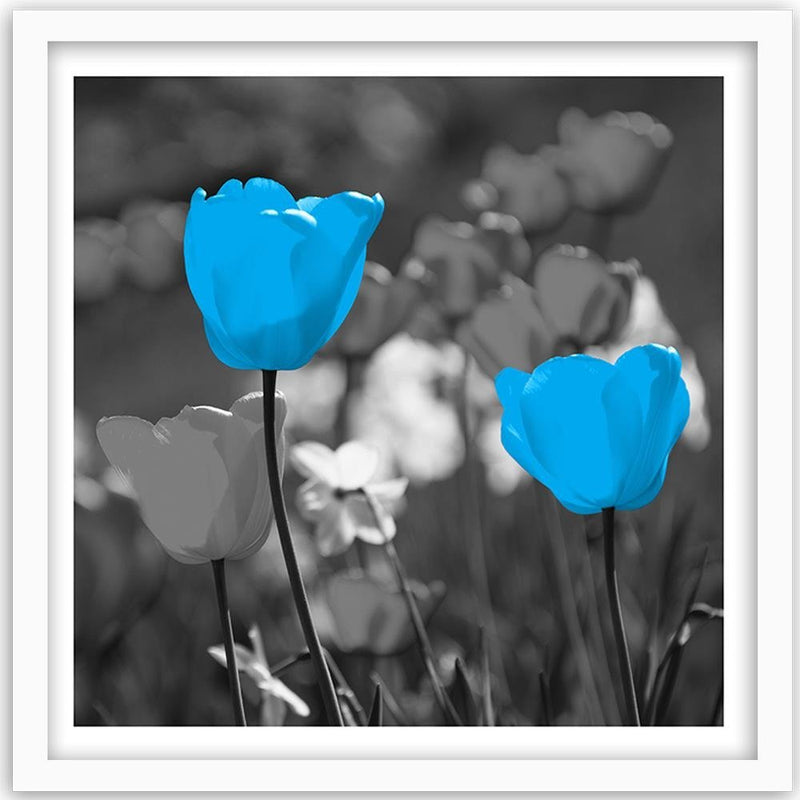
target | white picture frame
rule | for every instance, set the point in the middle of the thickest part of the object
(752, 49)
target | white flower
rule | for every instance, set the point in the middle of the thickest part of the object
(201, 477)
(334, 496)
(405, 408)
(275, 695)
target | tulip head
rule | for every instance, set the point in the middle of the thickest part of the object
(201, 477)
(273, 277)
(612, 163)
(527, 187)
(598, 435)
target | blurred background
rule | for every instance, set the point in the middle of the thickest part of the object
(531, 577)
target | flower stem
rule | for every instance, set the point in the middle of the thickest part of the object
(332, 709)
(218, 565)
(423, 642)
(626, 673)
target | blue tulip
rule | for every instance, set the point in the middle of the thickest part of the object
(598, 435)
(274, 277)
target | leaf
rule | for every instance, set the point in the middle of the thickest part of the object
(392, 706)
(462, 696)
(376, 712)
(547, 703)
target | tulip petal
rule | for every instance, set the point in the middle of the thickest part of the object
(348, 219)
(221, 232)
(179, 497)
(649, 494)
(265, 193)
(347, 298)
(510, 384)
(315, 460)
(357, 464)
(625, 430)
(567, 426)
(257, 296)
(653, 372)
(224, 349)
(345, 221)
(241, 512)
(308, 204)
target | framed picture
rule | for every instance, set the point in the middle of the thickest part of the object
(408, 369)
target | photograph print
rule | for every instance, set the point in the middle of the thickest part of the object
(398, 401)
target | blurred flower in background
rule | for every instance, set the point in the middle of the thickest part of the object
(382, 307)
(459, 262)
(404, 410)
(612, 163)
(507, 329)
(527, 187)
(391, 126)
(584, 299)
(361, 613)
(98, 263)
(153, 252)
(577, 299)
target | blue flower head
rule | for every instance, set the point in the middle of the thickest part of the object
(598, 435)
(274, 277)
